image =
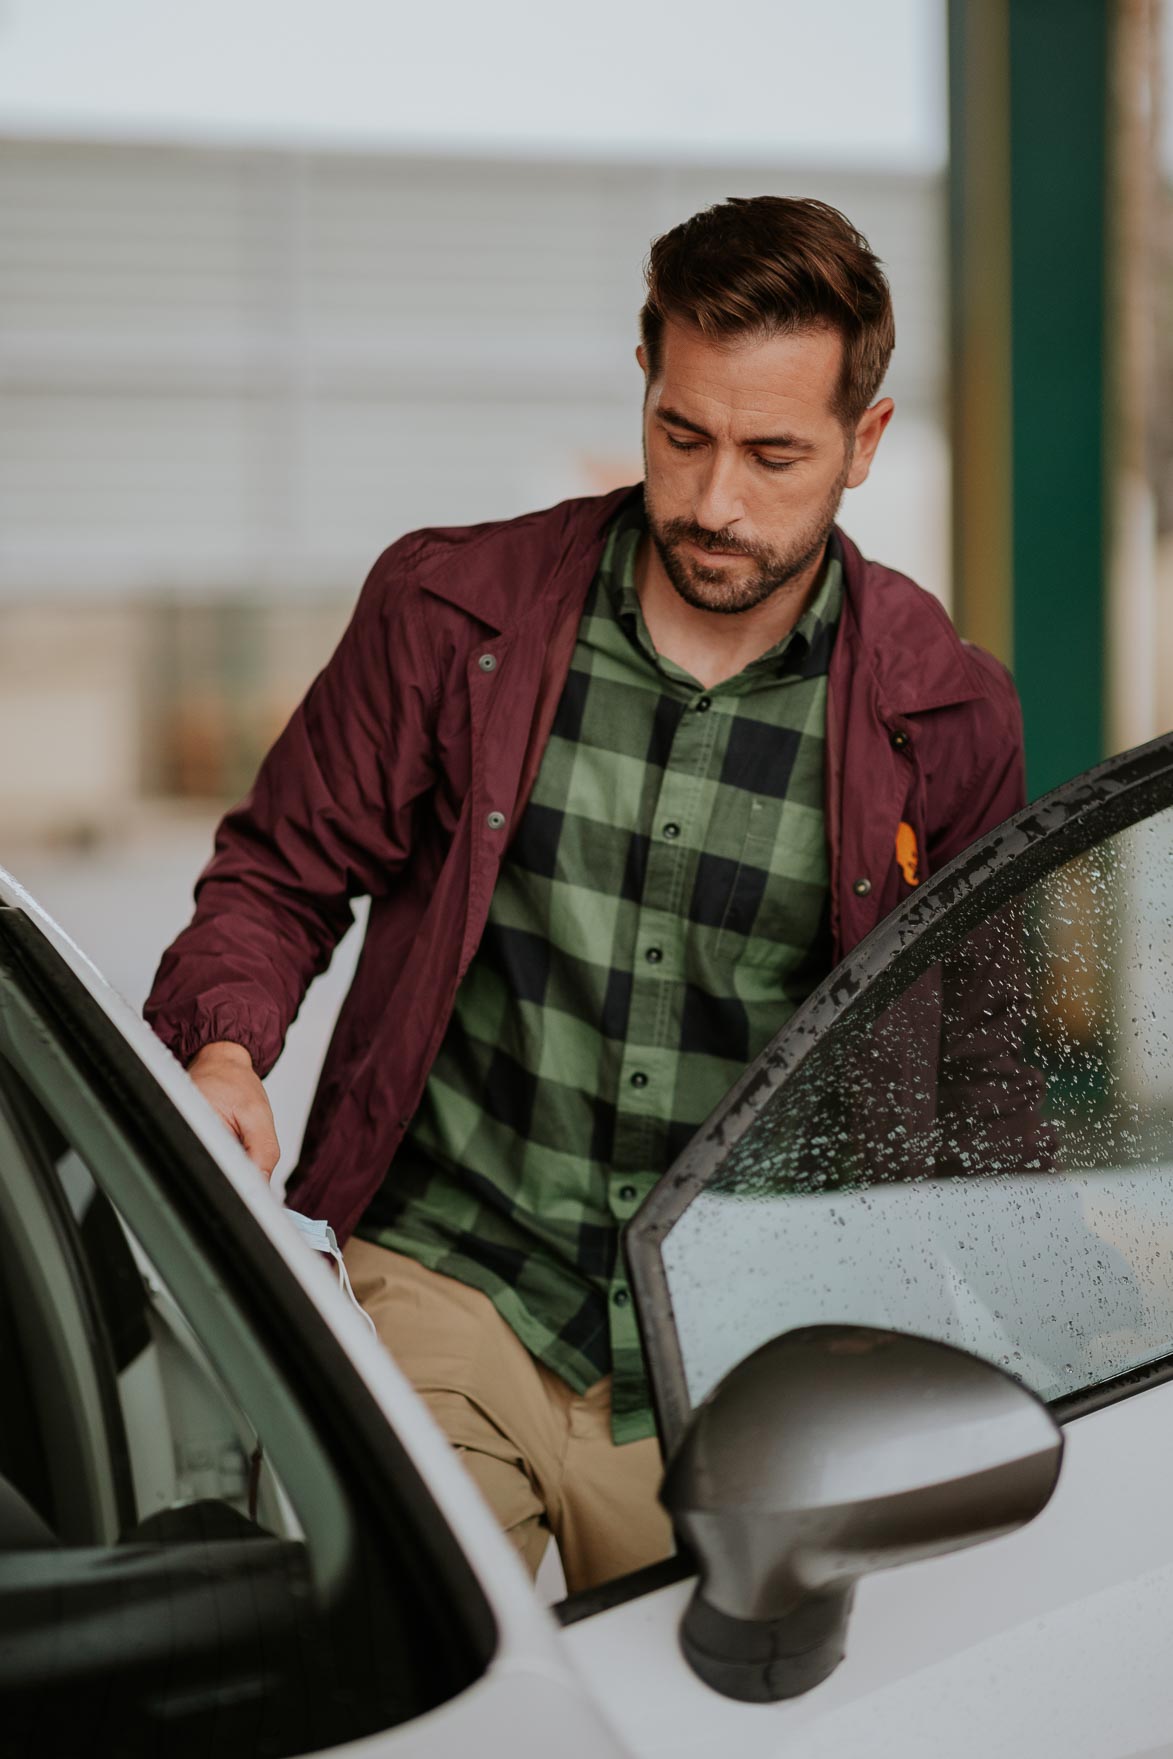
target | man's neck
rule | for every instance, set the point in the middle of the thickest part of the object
(715, 645)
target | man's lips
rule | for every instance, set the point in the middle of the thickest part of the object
(720, 555)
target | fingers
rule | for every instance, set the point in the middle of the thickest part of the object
(258, 1136)
(225, 1076)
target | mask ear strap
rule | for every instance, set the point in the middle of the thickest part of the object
(344, 1279)
(320, 1237)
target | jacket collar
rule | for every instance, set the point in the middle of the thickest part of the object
(485, 570)
(917, 658)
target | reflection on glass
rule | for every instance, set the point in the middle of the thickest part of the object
(198, 1467)
(987, 1160)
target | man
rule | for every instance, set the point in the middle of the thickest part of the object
(623, 780)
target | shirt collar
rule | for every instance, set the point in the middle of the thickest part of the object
(805, 652)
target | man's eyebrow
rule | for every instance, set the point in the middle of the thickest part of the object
(783, 442)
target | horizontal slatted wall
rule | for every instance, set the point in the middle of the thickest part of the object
(240, 371)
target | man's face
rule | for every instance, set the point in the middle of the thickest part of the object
(746, 460)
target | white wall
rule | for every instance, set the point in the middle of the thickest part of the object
(234, 371)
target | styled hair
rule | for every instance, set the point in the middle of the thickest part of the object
(767, 265)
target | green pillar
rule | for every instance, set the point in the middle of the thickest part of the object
(1058, 197)
(1038, 72)
(979, 313)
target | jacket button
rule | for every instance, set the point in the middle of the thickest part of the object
(639, 1079)
(495, 820)
(899, 740)
(862, 887)
(621, 1297)
(487, 662)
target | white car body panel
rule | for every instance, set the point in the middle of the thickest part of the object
(521, 1707)
(1050, 1643)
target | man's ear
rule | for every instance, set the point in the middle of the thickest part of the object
(641, 356)
(869, 430)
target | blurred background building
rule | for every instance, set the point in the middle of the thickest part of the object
(280, 281)
(232, 377)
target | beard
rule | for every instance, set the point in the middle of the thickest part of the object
(715, 588)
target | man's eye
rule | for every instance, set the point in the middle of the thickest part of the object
(778, 463)
(683, 445)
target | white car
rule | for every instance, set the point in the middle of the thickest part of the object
(923, 1248)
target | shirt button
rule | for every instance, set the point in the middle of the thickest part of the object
(671, 830)
(495, 820)
(639, 1079)
(900, 740)
(654, 955)
(621, 1297)
(862, 887)
(487, 662)
(703, 703)
(628, 1193)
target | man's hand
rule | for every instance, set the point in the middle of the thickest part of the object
(225, 1076)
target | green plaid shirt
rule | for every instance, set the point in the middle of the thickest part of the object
(661, 912)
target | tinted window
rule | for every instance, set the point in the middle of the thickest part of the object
(984, 1155)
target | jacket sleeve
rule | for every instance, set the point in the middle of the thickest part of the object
(328, 818)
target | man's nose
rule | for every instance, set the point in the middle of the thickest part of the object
(718, 502)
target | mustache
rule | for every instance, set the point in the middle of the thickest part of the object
(682, 531)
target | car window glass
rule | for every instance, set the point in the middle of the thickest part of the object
(987, 1158)
(188, 1441)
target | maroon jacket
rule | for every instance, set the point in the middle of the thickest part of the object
(406, 768)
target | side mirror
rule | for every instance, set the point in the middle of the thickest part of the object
(827, 1453)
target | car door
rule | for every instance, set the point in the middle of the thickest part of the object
(966, 1134)
(226, 1524)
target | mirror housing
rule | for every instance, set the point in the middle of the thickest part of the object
(830, 1452)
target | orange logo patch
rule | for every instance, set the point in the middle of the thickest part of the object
(907, 853)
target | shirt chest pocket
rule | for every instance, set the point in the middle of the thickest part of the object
(777, 902)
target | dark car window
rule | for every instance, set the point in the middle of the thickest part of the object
(184, 1455)
(967, 1134)
(198, 1549)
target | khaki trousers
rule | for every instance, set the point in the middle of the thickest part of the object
(540, 1453)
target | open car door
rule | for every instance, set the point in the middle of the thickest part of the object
(964, 1137)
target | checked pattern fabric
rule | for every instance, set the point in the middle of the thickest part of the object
(661, 912)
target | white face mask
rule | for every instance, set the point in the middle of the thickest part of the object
(320, 1236)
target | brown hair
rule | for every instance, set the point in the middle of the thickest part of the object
(767, 264)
